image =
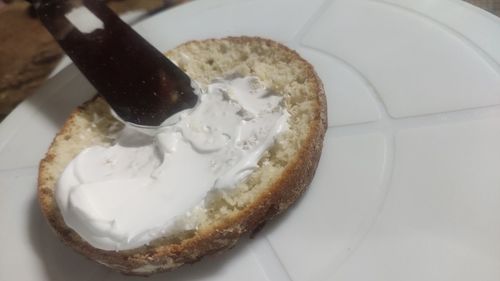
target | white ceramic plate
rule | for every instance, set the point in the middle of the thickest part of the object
(408, 187)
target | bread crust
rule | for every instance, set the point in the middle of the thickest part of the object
(284, 191)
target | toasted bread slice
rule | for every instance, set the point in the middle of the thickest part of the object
(284, 171)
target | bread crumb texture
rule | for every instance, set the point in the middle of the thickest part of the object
(284, 171)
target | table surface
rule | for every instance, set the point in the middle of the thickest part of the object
(489, 5)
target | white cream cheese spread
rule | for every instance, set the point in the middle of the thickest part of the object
(125, 195)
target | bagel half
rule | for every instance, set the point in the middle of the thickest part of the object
(285, 170)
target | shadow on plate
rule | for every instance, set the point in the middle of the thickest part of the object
(62, 263)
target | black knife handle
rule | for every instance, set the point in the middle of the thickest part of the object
(140, 83)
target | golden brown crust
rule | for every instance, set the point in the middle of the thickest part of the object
(279, 196)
